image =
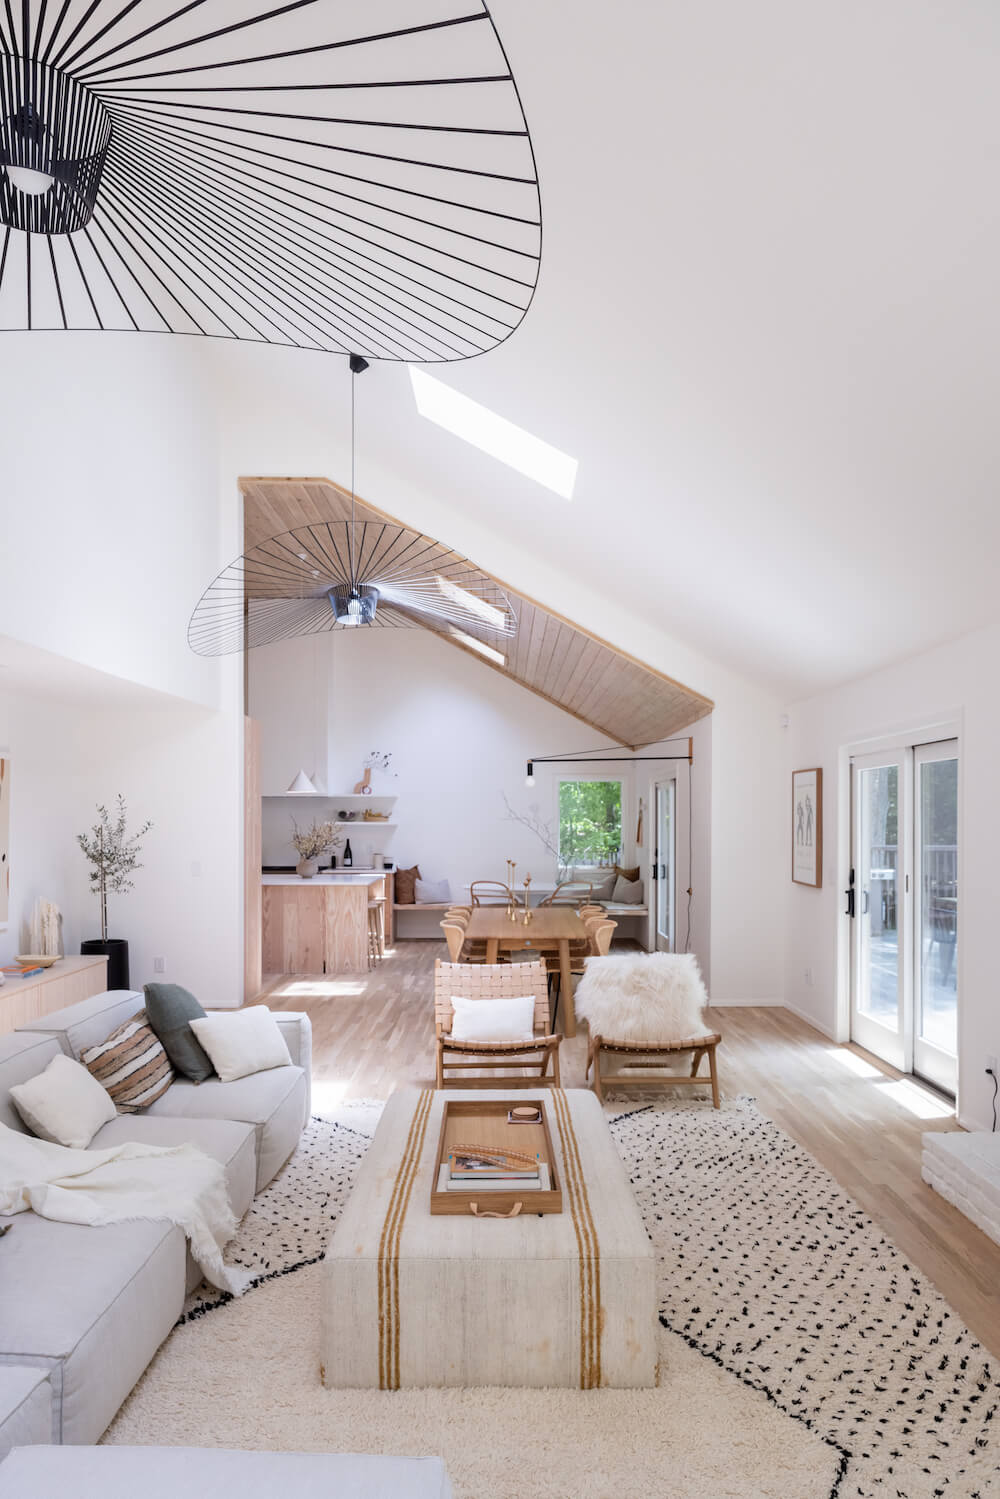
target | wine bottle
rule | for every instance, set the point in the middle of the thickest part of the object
(348, 856)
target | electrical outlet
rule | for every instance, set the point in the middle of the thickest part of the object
(991, 1066)
(159, 966)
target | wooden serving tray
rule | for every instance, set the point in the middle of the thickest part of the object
(484, 1122)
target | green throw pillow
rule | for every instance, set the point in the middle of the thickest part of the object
(170, 1010)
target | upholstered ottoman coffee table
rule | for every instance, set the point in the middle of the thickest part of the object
(566, 1299)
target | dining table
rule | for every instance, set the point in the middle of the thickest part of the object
(549, 929)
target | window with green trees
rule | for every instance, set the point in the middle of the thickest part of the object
(590, 822)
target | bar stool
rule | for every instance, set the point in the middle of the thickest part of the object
(376, 930)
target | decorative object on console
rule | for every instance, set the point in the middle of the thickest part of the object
(364, 786)
(807, 827)
(415, 215)
(170, 1010)
(312, 844)
(46, 919)
(35, 961)
(114, 856)
(242, 1042)
(131, 1064)
(64, 1104)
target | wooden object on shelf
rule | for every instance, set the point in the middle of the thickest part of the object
(363, 787)
(65, 983)
(552, 929)
(485, 1121)
(654, 1056)
(494, 981)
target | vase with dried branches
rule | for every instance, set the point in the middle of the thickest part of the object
(312, 844)
(113, 854)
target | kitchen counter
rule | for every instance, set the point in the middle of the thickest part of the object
(320, 925)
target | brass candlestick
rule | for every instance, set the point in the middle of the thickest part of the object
(527, 909)
(511, 902)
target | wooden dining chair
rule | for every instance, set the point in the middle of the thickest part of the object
(490, 893)
(569, 893)
(460, 949)
(600, 931)
(494, 981)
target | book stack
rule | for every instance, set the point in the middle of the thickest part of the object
(22, 972)
(470, 1168)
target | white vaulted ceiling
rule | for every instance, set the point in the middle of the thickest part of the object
(767, 325)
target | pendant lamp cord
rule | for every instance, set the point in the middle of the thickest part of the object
(354, 381)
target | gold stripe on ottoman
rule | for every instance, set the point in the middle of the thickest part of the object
(388, 1252)
(591, 1311)
(131, 1064)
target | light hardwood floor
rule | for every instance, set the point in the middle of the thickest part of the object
(857, 1117)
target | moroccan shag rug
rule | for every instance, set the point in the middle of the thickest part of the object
(802, 1357)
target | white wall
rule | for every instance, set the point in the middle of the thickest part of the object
(81, 745)
(956, 681)
(111, 529)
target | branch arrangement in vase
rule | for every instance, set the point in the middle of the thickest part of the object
(314, 843)
(113, 854)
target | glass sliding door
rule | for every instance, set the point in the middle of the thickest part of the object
(904, 980)
(935, 1041)
(663, 865)
(878, 1022)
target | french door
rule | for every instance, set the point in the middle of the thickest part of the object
(904, 896)
(664, 864)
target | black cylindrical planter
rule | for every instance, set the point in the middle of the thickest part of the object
(116, 952)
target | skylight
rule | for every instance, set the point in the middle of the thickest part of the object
(478, 645)
(487, 612)
(493, 434)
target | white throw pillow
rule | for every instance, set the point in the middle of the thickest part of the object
(240, 1042)
(493, 1019)
(431, 892)
(627, 892)
(64, 1104)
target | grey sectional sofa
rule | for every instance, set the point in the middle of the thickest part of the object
(90, 1306)
(165, 1472)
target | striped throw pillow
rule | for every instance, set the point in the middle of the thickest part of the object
(131, 1064)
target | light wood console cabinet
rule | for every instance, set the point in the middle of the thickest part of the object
(65, 983)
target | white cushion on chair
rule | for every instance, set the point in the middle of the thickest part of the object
(493, 1019)
(646, 998)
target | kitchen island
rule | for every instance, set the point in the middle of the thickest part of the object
(320, 925)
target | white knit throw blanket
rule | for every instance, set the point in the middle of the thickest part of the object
(97, 1187)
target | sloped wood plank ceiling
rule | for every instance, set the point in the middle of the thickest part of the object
(561, 661)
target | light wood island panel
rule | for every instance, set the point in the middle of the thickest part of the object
(317, 926)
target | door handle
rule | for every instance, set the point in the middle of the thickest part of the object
(866, 903)
(850, 901)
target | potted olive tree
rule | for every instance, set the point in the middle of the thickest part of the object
(113, 856)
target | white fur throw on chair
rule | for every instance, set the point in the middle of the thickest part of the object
(648, 999)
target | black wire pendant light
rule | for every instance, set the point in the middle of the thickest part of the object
(350, 574)
(336, 177)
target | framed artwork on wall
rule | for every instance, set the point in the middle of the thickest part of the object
(807, 827)
(4, 839)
